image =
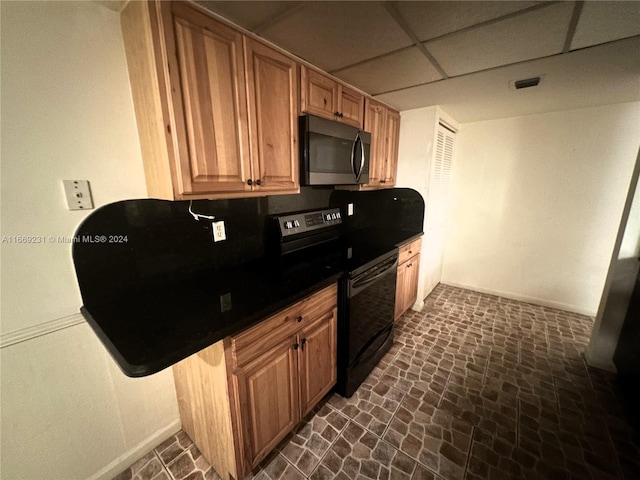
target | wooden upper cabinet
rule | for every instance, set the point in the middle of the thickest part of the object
(384, 126)
(216, 112)
(207, 75)
(319, 94)
(392, 141)
(375, 118)
(272, 86)
(327, 98)
(351, 107)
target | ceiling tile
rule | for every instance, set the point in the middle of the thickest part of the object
(248, 14)
(602, 75)
(602, 22)
(405, 68)
(531, 35)
(432, 19)
(333, 35)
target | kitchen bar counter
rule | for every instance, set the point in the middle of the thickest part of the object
(147, 331)
(157, 288)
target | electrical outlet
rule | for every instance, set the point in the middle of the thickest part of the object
(78, 194)
(349, 209)
(218, 231)
(225, 302)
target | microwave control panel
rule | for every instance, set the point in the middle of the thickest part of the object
(296, 223)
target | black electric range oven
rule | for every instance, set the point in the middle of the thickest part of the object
(366, 291)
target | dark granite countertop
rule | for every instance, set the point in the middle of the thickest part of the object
(168, 291)
(149, 330)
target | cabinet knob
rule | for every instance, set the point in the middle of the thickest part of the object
(341, 115)
(258, 182)
(249, 182)
(337, 114)
(295, 346)
(410, 252)
(299, 318)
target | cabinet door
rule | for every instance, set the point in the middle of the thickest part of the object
(407, 285)
(392, 127)
(273, 118)
(268, 397)
(319, 94)
(208, 75)
(411, 284)
(374, 123)
(401, 282)
(351, 107)
(317, 360)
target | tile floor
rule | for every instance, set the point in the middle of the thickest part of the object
(475, 387)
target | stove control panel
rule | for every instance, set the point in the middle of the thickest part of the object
(296, 223)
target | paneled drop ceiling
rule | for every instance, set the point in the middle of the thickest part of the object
(415, 54)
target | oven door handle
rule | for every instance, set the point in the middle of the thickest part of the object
(357, 286)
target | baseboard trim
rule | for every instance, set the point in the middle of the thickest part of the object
(125, 460)
(525, 298)
(29, 333)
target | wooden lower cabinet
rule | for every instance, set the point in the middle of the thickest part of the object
(408, 274)
(268, 395)
(317, 360)
(241, 396)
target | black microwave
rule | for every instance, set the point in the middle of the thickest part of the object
(333, 153)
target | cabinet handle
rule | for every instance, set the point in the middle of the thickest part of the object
(299, 318)
(304, 341)
(249, 182)
(258, 182)
(337, 114)
(295, 346)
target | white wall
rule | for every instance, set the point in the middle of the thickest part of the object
(418, 133)
(67, 113)
(536, 204)
(415, 152)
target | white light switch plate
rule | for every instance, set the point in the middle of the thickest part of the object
(350, 209)
(78, 194)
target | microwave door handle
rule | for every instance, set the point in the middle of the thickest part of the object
(355, 143)
(353, 158)
(361, 155)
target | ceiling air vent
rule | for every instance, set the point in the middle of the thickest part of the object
(526, 83)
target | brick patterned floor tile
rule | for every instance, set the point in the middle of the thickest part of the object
(412, 373)
(359, 454)
(191, 465)
(307, 445)
(474, 386)
(173, 447)
(372, 405)
(435, 438)
(484, 407)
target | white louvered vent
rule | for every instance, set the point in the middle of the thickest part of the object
(437, 206)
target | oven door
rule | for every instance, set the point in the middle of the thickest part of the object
(371, 300)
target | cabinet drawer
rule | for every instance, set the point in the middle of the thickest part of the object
(409, 250)
(255, 340)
